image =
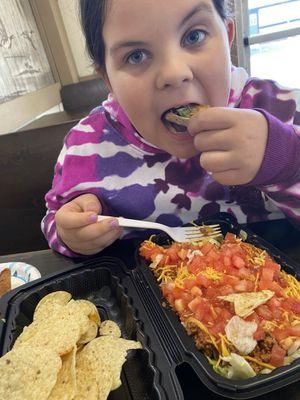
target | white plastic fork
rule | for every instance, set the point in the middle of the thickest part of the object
(180, 234)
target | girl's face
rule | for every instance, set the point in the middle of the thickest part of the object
(165, 54)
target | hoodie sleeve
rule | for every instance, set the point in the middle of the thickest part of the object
(74, 175)
(279, 174)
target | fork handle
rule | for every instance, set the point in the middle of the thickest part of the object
(134, 223)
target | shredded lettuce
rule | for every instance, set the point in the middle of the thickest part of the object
(239, 368)
(289, 359)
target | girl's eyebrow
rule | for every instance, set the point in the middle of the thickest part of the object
(120, 45)
(202, 7)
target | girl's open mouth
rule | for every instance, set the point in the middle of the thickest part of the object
(177, 119)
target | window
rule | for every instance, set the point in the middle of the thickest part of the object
(23, 62)
(269, 34)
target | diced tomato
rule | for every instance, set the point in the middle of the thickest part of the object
(264, 312)
(241, 286)
(294, 330)
(189, 283)
(277, 356)
(267, 274)
(272, 265)
(203, 281)
(173, 255)
(197, 264)
(227, 261)
(277, 313)
(211, 292)
(230, 238)
(291, 304)
(187, 296)
(149, 252)
(225, 289)
(177, 292)
(193, 305)
(253, 317)
(213, 254)
(225, 315)
(206, 248)
(218, 327)
(274, 303)
(202, 309)
(229, 280)
(182, 254)
(281, 334)
(259, 334)
(196, 291)
(237, 261)
(179, 305)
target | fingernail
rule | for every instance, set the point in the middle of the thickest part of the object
(113, 223)
(93, 217)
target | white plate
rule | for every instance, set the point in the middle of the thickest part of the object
(21, 273)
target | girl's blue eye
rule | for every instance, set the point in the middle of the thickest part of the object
(136, 57)
(194, 37)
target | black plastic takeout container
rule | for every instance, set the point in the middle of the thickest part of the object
(132, 298)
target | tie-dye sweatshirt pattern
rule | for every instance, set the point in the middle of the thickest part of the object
(104, 155)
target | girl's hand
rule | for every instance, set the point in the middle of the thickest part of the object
(77, 225)
(232, 142)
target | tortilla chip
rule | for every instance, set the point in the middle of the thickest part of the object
(48, 305)
(90, 334)
(245, 303)
(189, 111)
(111, 352)
(109, 328)
(5, 281)
(90, 310)
(94, 379)
(28, 373)
(65, 387)
(59, 332)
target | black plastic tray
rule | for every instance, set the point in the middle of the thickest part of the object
(108, 284)
(181, 348)
(132, 298)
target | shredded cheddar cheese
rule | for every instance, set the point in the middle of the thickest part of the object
(211, 273)
(258, 362)
(293, 288)
(224, 351)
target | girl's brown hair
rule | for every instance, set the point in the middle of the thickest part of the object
(93, 14)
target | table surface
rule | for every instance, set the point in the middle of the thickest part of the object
(280, 234)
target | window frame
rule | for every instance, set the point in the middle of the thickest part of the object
(244, 40)
(54, 38)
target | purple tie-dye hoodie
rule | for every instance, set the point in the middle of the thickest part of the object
(104, 155)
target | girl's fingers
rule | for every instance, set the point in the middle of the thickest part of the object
(96, 245)
(69, 219)
(218, 161)
(88, 202)
(213, 118)
(93, 231)
(213, 140)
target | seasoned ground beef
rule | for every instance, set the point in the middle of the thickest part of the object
(262, 352)
(202, 341)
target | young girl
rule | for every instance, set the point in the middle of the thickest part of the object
(240, 155)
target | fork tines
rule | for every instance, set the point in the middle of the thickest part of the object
(202, 231)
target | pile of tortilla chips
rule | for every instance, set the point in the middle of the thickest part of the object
(59, 356)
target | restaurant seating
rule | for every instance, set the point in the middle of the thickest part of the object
(27, 165)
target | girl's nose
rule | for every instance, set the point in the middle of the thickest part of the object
(173, 71)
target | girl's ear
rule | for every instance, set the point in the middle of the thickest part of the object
(230, 27)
